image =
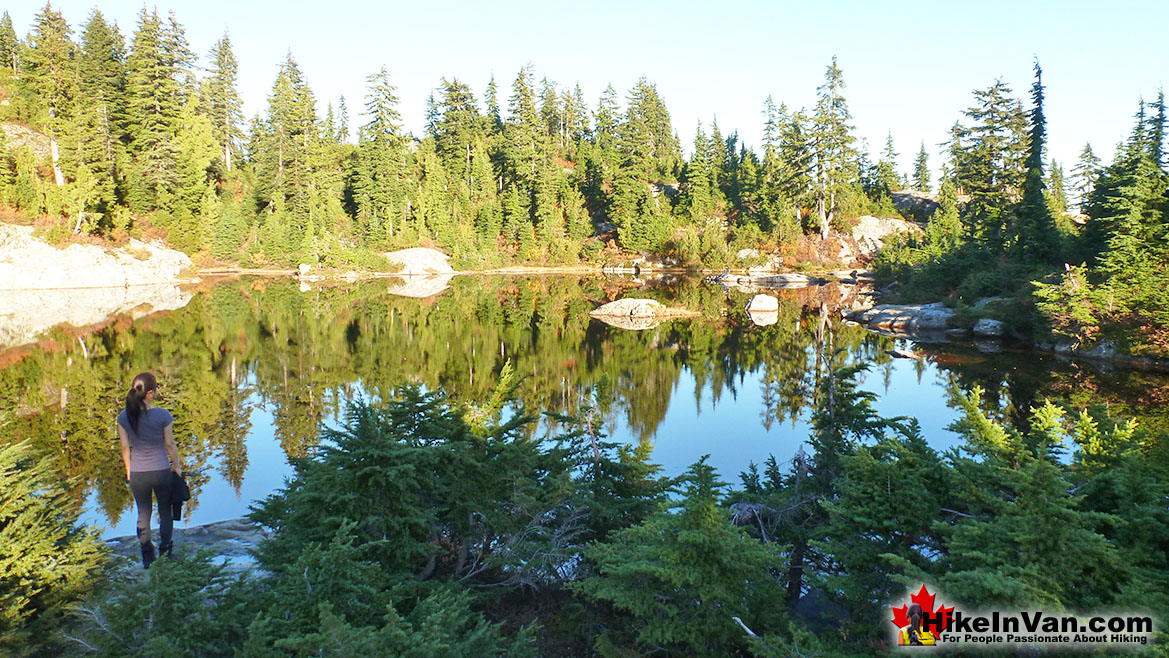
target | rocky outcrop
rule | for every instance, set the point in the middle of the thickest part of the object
(988, 328)
(638, 314)
(231, 541)
(420, 261)
(871, 233)
(18, 137)
(27, 263)
(919, 205)
(907, 319)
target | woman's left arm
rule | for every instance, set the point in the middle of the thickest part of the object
(172, 450)
(124, 440)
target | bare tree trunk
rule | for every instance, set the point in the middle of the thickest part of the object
(58, 175)
(795, 572)
(831, 214)
(820, 212)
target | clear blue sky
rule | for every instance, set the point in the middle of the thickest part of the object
(910, 67)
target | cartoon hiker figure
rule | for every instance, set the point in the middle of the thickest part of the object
(913, 635)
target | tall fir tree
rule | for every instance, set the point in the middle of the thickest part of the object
(378, 183)
(921, 171)
(835, 153)
(223, 104)
(51, 75)
(1035, 232)
(101, 111)
(9, 45)
(152, 110)
(1084, 176)
(888, 178)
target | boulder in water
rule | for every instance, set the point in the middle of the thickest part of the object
(637, 314)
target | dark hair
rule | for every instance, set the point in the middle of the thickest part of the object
(136, 398)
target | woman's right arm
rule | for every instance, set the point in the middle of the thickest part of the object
(125, 441)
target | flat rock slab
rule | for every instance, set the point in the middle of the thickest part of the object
(231, 541)
(28, 263)
(908, 318)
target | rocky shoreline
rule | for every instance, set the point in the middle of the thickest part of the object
(231, 541)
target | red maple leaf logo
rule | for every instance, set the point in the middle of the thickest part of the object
(926, 600)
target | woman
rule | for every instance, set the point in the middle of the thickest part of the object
(150, 455)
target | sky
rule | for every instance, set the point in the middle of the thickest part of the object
(910, 67)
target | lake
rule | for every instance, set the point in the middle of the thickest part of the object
(252, 368)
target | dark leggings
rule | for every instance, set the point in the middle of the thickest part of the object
(142, 484)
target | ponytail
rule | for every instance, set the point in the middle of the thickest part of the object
(136, 397)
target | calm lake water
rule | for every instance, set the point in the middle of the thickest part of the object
(252, 368)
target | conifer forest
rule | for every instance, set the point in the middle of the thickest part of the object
(484, 469)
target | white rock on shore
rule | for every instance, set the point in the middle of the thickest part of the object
(420, 261)
(27, 263)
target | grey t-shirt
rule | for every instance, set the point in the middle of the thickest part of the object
(148, 444)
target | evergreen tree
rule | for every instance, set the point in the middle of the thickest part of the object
(698, 187)
(101, 114)
(526, 136)
(290, 147)
(1035, 233)
(646, 137)
(51, 75)
(1156, 130)
(458, 128)
(677, 581)
(491, 100)
(224, 107)
(47, 562)
(888, 178)
(1084, 176)
(1056, 194)
(921, 171)
(1027, 542)
(834, 153)
(342, 121)
(152, 110)
(9, 45)
(378, 187)
(986, 161)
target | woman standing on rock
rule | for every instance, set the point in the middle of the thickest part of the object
(149, 452)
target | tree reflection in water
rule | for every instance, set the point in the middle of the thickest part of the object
(243, 345)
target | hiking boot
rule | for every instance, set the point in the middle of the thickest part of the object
(165, 549)
(148, 555)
